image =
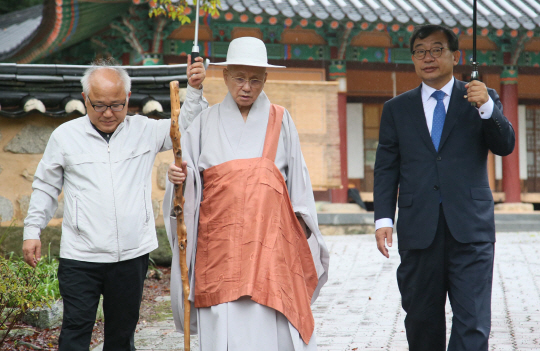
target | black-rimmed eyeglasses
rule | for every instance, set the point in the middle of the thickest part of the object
(103, 108)
(421, 53)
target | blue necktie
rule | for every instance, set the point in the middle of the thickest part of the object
(438, 118)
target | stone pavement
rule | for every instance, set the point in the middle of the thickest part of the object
(359, 308)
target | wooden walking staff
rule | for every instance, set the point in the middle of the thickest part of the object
(178, 209)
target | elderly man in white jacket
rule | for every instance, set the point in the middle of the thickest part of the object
(104, 163)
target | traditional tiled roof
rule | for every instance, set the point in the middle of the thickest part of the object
(18, 28)
(27, 36)
(61, 23)
(55, 85)
(514, 14)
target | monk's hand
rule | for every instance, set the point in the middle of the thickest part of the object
(383, 237)
(177, 175)
(32, 251)
(477, 92)
(196, 72)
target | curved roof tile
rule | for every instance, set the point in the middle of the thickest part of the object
(500, 14)
(18, 28)
(52, 84)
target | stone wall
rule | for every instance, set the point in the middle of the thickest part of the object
(22, 143)
(313, 106)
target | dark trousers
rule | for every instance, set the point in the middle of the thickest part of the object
(465, 273)
(82, 283)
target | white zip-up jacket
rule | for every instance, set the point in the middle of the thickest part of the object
(108, 214)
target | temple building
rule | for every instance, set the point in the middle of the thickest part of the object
(344, 59)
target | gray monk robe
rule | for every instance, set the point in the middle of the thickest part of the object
(217, 135)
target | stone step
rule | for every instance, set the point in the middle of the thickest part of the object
(504, 222)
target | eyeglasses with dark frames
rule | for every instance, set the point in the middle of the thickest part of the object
(421, 53)
(103, 108)
(254, 83)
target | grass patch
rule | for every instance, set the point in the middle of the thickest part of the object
(162, 311)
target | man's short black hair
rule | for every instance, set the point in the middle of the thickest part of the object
(422, 32)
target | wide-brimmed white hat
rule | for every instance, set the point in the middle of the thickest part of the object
(246, 51)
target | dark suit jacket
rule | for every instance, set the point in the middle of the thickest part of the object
(457, 174)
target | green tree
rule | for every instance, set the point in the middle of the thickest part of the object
(177, 10)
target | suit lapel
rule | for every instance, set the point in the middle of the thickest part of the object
(456, 108)
(416, 110)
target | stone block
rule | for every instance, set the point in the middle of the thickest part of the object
(162, 256)
(517, 207)
(50, 237)
(347, 229)
(24, 203)
(162, 175)
(27, 175)
(18, 333)
(30, 140)
(162, 298)
(46, 317)
(6, 209)
(340, 208)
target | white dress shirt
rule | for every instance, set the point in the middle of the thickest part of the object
(485, 111)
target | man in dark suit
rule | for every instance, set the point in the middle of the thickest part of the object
(433, 146)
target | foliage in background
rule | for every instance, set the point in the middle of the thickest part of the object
(7, 231)
(177, 10)
(23, 288)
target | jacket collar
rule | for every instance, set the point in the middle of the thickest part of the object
(89, 128)
(416, 111)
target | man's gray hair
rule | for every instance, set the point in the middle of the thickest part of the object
(109, 63)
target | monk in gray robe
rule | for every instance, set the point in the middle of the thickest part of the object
(256, 257)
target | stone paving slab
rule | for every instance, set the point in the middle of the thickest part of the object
(360, 307)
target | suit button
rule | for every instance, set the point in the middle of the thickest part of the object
(439, 158)
(436, 187)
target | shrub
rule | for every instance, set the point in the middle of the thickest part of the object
(23, 288)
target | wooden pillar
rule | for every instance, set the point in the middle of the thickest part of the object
(340, 195)
(338, 71)
(509, 100)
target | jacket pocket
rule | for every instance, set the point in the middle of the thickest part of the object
(74, 160)
(483, 194)
(77, 214)
(405, 200)
(147, 217)
(133, 216)
(139, 152)
(92, 223)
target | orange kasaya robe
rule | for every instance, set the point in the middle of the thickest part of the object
(250, 242)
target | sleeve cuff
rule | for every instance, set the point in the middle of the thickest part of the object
(192, 93)
(31, 233)
(486, 110)
(384, 222)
